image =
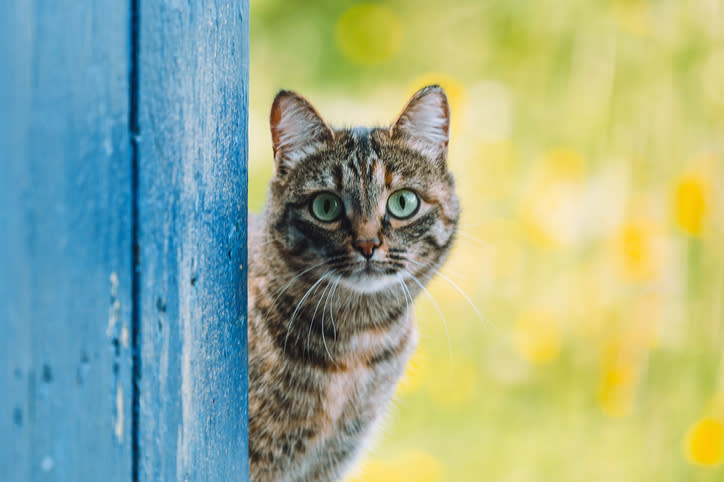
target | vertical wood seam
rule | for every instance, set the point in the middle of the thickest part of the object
(134, 131)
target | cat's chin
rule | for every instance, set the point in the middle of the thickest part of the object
(370, 283)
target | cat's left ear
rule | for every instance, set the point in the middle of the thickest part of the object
(424, 123)
(297, 130)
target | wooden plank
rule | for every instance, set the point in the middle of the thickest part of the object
(65, 241)
(192, 207)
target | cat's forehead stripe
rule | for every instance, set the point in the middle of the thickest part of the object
(361, 177)
(338, 177)
(388, 177)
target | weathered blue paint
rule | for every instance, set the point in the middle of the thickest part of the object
(65, 241)
(193, 80)
(82, 200)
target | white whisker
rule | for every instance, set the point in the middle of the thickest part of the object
(482, 319)
(289, 283)
(404, 295)
(314, 315)
(408, 296)
(475, 239)
(442, 317)
(289, 326)
(334, 290)
(324, 341)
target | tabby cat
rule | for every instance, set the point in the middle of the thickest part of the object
(356, 221)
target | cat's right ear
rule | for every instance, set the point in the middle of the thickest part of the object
(424, 124)
(297, 130)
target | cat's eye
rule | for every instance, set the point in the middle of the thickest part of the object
(403, 204)
(326, 207)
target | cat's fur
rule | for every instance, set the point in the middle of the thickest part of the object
(329, 331)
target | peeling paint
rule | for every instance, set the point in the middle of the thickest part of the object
(187, 407)
(180, 448)
(47, 464)
(114, 312)
(118, 426)
(125, 336)
(114, 284)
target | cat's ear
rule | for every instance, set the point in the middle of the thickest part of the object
(297, 130)
(424, 123)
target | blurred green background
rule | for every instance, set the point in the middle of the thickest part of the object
(588, 145)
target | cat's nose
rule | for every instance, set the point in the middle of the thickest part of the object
(367, 246)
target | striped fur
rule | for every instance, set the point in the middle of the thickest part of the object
(330, 332)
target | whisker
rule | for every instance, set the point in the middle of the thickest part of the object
(473, 238)
(289, 283)
(311, 322)
(470, 225)
(482, 319)
(289, 326)
(408, 296)
(442, 317)
(269, 241)
(324, 341)
(331, 315)
(398, 258)
(405, 293)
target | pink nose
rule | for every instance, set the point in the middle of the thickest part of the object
(367, 246)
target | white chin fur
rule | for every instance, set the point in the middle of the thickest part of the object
(370, 283)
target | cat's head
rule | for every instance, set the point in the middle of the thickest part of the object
(370, 206)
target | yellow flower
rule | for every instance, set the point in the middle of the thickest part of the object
(638, 250)
(369, 34)
(564, 162)
(536, 336)
(414, 373)
(452, 387)
(690, 204)
(616, 393)
(704, 443)
(412, 465)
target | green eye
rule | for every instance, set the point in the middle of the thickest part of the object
(403, 204)
(326, 207)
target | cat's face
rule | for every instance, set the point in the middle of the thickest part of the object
(370, 207)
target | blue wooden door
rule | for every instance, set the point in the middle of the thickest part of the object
(123, 240)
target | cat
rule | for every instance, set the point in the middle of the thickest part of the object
(355, 222)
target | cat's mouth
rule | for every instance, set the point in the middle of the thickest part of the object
(372, 267)
(370, 276)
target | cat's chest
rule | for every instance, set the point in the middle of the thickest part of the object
(342, 395)
(367, 379)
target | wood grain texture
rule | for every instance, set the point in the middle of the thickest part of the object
(192, 180)
(65, 241)
(76, 197)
